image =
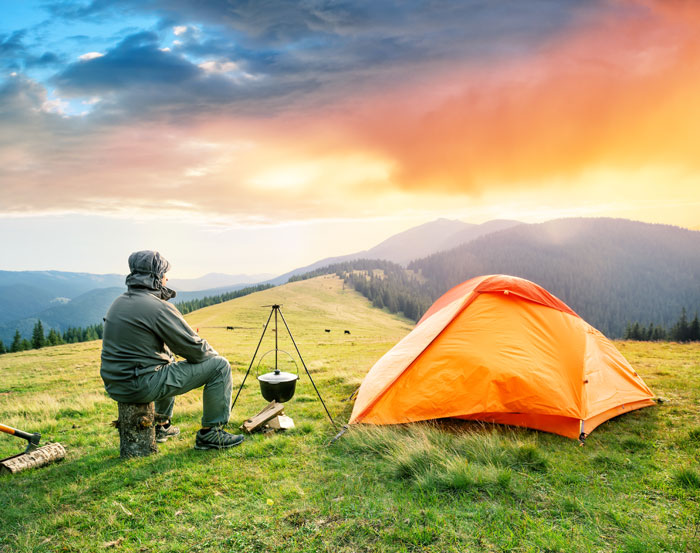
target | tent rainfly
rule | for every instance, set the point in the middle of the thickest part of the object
(502, 349)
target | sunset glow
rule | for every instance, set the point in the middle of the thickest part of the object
(383, 117)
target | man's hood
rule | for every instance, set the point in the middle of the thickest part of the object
(147, 270)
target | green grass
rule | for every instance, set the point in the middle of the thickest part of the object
(443, 486)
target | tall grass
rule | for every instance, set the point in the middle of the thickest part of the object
(475, 461)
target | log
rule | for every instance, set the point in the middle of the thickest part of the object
(271, 410)
(137, 432)
(33, 459)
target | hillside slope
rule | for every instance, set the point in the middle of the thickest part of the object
(310, 308)
(610, 271)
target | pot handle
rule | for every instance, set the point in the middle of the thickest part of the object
(257, 372)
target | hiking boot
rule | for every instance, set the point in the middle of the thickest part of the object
(216, 438)
(163, 432)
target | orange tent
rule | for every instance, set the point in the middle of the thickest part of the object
(502, 349)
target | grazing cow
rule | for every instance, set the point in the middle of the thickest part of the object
(347, 332)
(328, 330)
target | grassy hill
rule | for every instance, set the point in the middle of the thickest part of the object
(634, 487)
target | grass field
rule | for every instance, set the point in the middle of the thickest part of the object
(634, 486)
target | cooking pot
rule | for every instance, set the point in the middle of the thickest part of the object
(278, 386)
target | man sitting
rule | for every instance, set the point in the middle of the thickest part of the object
(141, 330)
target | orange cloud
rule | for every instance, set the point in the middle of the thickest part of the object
(618, 92)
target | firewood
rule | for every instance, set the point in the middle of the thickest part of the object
(270, 411)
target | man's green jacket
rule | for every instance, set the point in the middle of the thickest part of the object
(140, 332)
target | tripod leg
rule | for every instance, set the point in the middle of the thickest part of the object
(252, 360)
(307, 370)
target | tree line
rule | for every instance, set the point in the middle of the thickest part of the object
(72, 335)
(192, 305)
(682, 331)
(409, 292)
(40, 339)
(386, 284)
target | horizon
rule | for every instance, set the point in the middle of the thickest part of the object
(271, 276)
(244, 141)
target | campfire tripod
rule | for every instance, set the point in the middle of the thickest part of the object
(277, 311)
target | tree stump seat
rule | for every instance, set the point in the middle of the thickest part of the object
(137, 433)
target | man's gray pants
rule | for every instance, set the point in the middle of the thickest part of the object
(178, 378)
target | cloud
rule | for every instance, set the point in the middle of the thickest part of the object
(212, 66)
(142, 79)
(16, 55)
(278, 22)
(12, 44)
(136, 61)
(321, 46)
(616, 93)
(47, 59)
(341, 109)
(12, 50)
(50, 163)
(90, 56)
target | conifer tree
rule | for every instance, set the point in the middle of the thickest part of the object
(681, 329)
(26, 344)
(71, 335)
(694, 331)
(2, 348)
(54, 338)
(16, 342)
(38, 338)
(659, 334)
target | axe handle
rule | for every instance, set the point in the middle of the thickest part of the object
(31, 438)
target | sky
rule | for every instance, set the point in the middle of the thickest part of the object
(263, 135)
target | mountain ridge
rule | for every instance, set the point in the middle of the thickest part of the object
(440, 234)
(572, 258)
(610, 271)
(211, 281)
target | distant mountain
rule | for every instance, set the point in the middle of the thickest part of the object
(413, 243)
(60, 283)
(417, 242)
(472, 233)
(610, 271)
(25, 293)
(198, 294)
(215, 280)
(20, 300)
(84, 310)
